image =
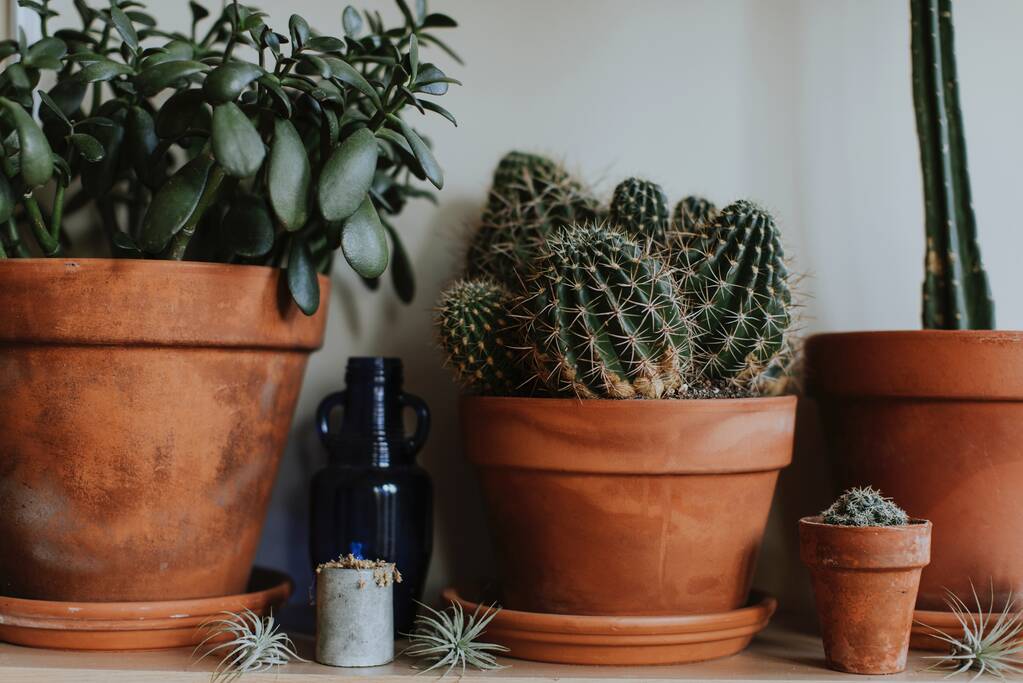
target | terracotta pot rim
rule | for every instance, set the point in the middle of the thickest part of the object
(831, 547)
(914, 524)
(172, 304)
(758, 402)
(934, 334)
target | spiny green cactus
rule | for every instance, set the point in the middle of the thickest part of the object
(864, 507)
(956, 294)
(531, 198)
(735, 282)
(691, 213)
(640, 208)
(477, 335)
(606, 318)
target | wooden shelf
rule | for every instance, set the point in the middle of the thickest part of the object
(778, 654)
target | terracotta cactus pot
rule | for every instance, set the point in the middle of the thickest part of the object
(865, 581)
(935, 420)
(601, 507)
(144, 407)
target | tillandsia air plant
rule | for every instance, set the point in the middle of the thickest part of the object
(251, 644)
(864, 506)
(956, 294)
(991, 641)
(450, 638)
(231, 142)
(563, 297)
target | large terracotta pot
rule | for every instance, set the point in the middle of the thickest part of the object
(144, 407)
(935, 420)
(865, 581)
(603, 507)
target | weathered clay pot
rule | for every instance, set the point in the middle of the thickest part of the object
(603, 507)
(144, 406)
(865, 581)
(935, 420)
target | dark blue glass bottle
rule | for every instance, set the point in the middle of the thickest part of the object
(372, 499)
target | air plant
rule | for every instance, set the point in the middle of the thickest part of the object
(256, 644)
(991, 640)
(448, 638)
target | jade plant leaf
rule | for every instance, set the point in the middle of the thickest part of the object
(36, 155)
(237, 145)
(6, 199)
(305, 289)
(364, 241)
(152, 80)
(124, 26)
(181, 111)
(174, 203)
(347, 176)
(227, 81)
(288, 176)
(402, 276)
(89, 146)
(248, 228)
(423, 154)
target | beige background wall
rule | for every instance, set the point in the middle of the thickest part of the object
(804, 106)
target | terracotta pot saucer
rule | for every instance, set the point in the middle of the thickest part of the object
(131, 625)
(924, 623)
(625, 641)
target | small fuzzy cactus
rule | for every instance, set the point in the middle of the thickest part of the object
(691, 214)
(606, 318)
(476, 333)
(640, 208)
(864, 507)
(736, 283)
(531, 198)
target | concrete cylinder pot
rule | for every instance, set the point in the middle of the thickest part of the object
(865, 582)
(355, 613)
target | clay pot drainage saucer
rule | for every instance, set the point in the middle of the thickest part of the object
(131, 625)
(625, 641)
(923, 637)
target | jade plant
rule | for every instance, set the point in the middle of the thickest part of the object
(956, 294)
(229, 142)
(564, 297)
(864, 507)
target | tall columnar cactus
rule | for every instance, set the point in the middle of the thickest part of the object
(691, 213)
(640, 208)
(735, 282)
(477, 334)
(956, 294)
(606, 318)
(531, 197)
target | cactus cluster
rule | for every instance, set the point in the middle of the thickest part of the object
(864, 507)
(530, 199)
(567, 299)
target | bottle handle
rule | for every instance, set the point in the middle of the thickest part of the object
(323, 413)
(415, 442)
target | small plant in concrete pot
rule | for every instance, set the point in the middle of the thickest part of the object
(166, 389)
(865, 556)
(619, 349)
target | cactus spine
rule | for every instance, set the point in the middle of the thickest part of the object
(605, 317)
(476, 333)
(691, 213)
(736, 284)
(864, 507)
(956, 294)
(640, 208)
(531, 198)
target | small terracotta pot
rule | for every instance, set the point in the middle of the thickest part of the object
(934, 418)
(603, 507)
(144, 407)
(865, 581)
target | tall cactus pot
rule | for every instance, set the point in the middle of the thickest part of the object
(144, 408)
(641, 507)
(934, 418)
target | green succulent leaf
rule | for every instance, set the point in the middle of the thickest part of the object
(124, 26)
(248, 229)
(174, 203)
(402, 276)
(6, 199)
(52, 48)
(437, 20)
(288, 176)
(364, 241)
(103, 70)
(305, 288)
(413, 56)
(180, 112)
(437, 109)
(273, 86)
(53, 107)
(142, 141)
(152, 80)
(325, 44)
(299, 29)
(226, 82)
(35, 153)
(89, 147)
(347, 176)
(352, 21)
(346, 73)
(426, 159)
(237, 145)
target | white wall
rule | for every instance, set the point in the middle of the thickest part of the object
(804, 105)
